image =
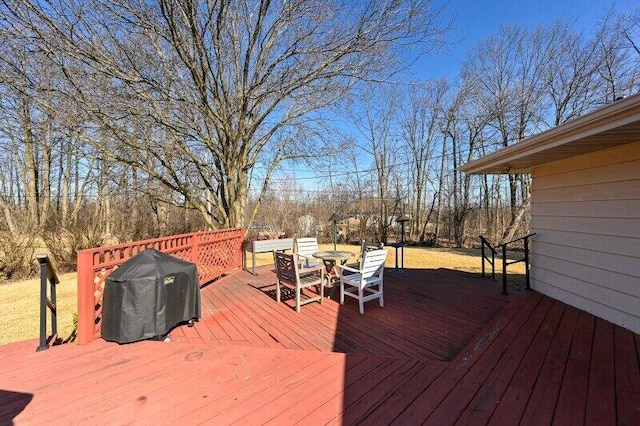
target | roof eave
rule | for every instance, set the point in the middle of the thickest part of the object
(620, 113)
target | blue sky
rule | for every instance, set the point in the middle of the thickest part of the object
(474, 21)
(477, 19)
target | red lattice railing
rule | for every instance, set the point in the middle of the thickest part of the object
(214, 252)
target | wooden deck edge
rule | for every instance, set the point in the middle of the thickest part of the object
(485, 337)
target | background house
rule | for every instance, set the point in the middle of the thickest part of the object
(585, 209)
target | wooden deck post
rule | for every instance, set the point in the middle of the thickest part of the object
(195, 251)
(86, 290)
(504, 269)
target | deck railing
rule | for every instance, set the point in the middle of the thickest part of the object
(214, 252)
(47, 275)
(484, 243)
(505, 262)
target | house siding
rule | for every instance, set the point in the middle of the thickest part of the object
(585, 212)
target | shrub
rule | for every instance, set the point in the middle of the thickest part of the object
(17, 254)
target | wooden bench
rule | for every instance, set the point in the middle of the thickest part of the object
(264, 246)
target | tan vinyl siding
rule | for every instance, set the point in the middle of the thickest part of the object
(586, 213)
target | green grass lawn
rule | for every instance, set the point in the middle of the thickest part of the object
(19, 301)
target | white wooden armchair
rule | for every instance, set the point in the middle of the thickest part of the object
(304, 248)
(289, 274)
(364, 247)
(365, 283)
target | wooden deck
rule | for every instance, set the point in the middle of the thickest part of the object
(446, 348)
(428, 315)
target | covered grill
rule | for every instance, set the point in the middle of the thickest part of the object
(148, 295)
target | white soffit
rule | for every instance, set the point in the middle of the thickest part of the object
(610, 126)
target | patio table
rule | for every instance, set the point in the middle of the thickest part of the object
(330, 258)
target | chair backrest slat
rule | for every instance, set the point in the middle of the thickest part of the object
(306, 246)
(372, 261)
(285, 266)
(366, 247)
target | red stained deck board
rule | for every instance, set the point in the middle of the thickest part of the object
(542, 325)
(295, 403)
(263, 404)
(298, 329)
(227, 315)
(388, 410)
(519, 345)
(272, 316)
(626, 361)
(389, 375)
(365, 394)
(434, 345)
(209, 319)
(357, 336)
(137, 385)
(224, 392)
(97, 366)
(149, 398)
(251, 322)
(175, 391)
(497, 334)
(527, 356)
(571, 404)
(286, 324)
(265, 321)
(237, 325)
(330, 398)
(282, 323)
(351, 333)
(456, 309)
(456, 297)
(601, 400)
(542, 401)
(627, 377)
(511, 405)
(380, 340)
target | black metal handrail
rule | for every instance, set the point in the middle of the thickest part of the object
(525, 259)
(491, 261)
(505, 263)
(47, 274)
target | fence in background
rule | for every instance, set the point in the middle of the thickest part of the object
(214, 252)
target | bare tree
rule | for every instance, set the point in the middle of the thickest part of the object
(28, 130)
(618, 61)
(419, 124)
(228, 82)
(374, 117)
(510, 71)
(571, 78)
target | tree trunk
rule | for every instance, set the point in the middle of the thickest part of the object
(8, 216)
(513, 227)
(440, 189)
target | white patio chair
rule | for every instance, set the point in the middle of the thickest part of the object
(288, 273)
(304, 248)
(365, 283)
(365, 247)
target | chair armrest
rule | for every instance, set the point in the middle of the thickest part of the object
(347, 268)
(308, 269)
(303, 259)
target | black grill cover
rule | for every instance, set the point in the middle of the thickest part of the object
(148, 295)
